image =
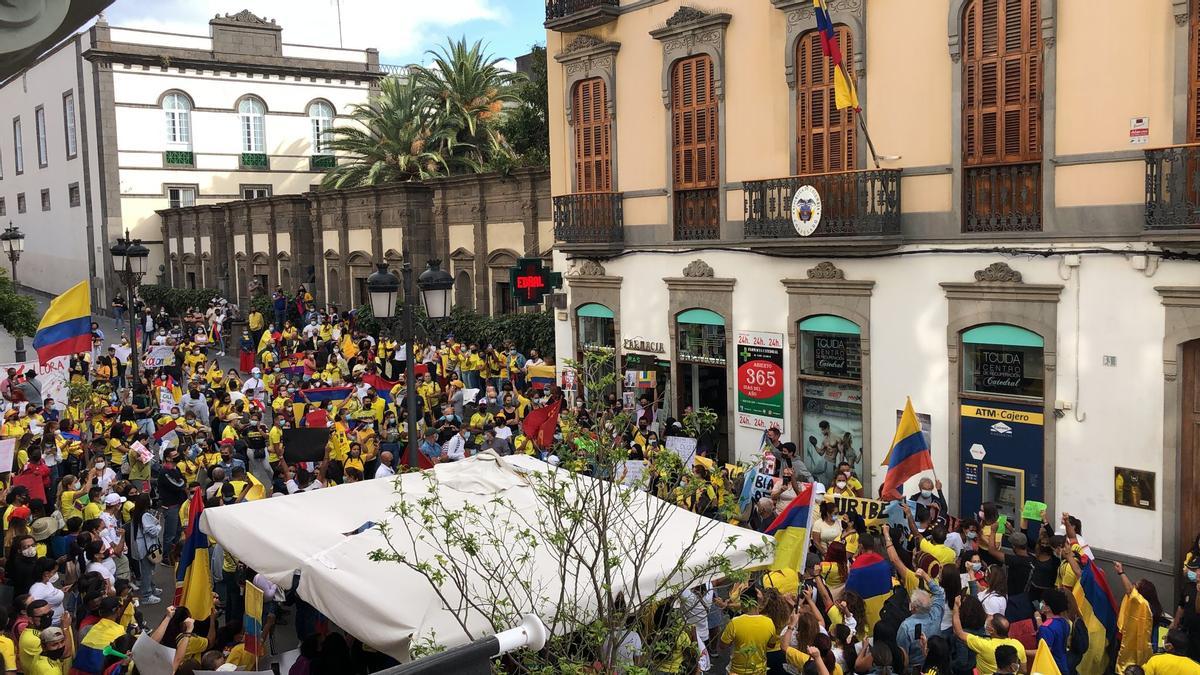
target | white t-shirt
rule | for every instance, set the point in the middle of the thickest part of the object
(503, 432)
(109, 534)
(107, 569)
(992, 602)
(53, 596)
(310, 330)
(106, 478)
(384, 471)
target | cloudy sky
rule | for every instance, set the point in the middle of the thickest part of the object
(402, 30)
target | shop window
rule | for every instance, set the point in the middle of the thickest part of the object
(1003, 360)
(701, 337)
(596, 328)
(831, 396)
(829, 347)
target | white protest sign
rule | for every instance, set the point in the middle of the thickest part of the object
(153, 658)
(52, 377)
(763, 484)
(159, 356)
(683, 446)
(8, 448)
(166, 400)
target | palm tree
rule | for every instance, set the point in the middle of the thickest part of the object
(399, 137)
(468, 88)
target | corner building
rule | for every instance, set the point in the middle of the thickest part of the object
(1021, 262)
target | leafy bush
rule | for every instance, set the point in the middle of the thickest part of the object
(18, 313)
(533, 330)
(176, 300)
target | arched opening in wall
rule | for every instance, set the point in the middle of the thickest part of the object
(333, 295)
(361, 267)
(500, 263)
(285, 279)
(464, 290)
(243, 282)
(701, 372)
(596, 348)
(831, 396)
(1001, 403)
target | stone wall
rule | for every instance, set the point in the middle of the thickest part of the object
(331, 240)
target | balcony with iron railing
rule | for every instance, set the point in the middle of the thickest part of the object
(857, 208)
(589, 220)
(1173, 192)
(1001, 198)
(569, 16)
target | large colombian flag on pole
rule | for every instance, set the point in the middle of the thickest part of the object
(845, 95)
(909, 455)
(193, 576)
(66, 327)
(790, 529)
(1098, 610)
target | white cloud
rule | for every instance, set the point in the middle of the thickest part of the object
(400, 29)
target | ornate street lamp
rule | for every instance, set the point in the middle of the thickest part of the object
(129, 261)
(13, 242)
(436, 285)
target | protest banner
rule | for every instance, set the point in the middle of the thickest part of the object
(52, 377)
(8, 448)
(872, 510)
(158, 356)
(166, 400)
(304, 445)
(683, 446)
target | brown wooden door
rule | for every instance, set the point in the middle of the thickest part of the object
(1189, 440)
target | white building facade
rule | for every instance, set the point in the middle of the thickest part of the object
(138, 120)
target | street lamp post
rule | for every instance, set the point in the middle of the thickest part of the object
(129, 261)
(13, 241)
(383, 287)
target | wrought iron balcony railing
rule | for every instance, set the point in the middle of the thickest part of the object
(697, 214)
(1173, 187)
(574, 15)
(588, 218)
(852, 203)
(1003, 198)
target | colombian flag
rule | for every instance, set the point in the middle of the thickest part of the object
(909, 455)
(66, 327)
(871, 577)
(326, 394)
(89, 657)
(1135, 622)
(1099, 612)
(845, 95)
(193, 577)
(1043, 661)
(382, 386)
(790, 529)
(541, 377)
(253, 621)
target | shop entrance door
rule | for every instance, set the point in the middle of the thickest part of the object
(702, 386)
(1189, 439)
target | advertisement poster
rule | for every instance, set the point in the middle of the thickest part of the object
(1133, 487)
(760, 380)
(831, 421)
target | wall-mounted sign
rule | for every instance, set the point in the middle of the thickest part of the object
(806, 210)
(638, 344)
(531, 281)
(1133, 487)
(999, 371)
(760, 380)
(1139, 130)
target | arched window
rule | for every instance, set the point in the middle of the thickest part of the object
(593, 137)
(177, 110)
(252, 111)
(1002, 115)
(695, 149)
(320, 116)
(826, 140)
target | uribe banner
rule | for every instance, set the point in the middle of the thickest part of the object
(760, 380)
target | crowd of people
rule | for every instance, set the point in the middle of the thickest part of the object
(99, 497)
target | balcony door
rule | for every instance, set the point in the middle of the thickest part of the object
(826, 140)
(593, 137)
(695, 149)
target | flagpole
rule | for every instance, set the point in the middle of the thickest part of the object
(862, 124)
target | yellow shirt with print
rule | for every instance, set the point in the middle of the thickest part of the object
(229, 432)
(116, 451)
(274, 440)
(189, 470)
(254, 321)
(751, 635)
(325, 332)
(942, 553)
(66, 504)
(339, 443)
(92, 510)
(985, 651)
(481, 419)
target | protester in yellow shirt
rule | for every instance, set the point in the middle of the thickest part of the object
(753, 634)
(985, 647)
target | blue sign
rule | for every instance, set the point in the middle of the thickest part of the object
(1001, 435)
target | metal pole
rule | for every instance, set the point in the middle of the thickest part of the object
(410, 361)
(19, 349)
(130, 282)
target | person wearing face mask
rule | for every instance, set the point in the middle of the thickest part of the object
(1187, 613)
(827, 528)
(29, 643)
(46, 572)
(21, 565)
(930, 494)
(985, 648)
(963, 538)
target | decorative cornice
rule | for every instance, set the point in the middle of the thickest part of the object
(685, 15)
(245, 16)
(998, 272)
(698, 269)
(1179, 296)
(586, 268)
(993, 292)
(702, 33)
(581, 42)
(1182, 11)
(826, 270)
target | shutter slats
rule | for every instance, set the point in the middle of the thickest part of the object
(1194, 72)
(694, 133)
(593, 137)
(1002, 82)
(826, 137)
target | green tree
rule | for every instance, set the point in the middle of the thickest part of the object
(399, 137)
(18, 313)
(525, 127)
(467, 88)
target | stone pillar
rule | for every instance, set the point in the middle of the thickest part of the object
(273, 247)
(483, 297)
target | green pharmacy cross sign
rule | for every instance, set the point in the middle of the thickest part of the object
(531, 281)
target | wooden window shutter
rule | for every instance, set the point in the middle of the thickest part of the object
(826, 139)
(694, 124)
(593, 137)
(1193, 132)
(1002, 82)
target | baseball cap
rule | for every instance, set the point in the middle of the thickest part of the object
(1018, 540)
(112, 499)
(52, 634)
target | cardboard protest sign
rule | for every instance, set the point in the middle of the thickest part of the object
(683, 446)
(873, 511)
